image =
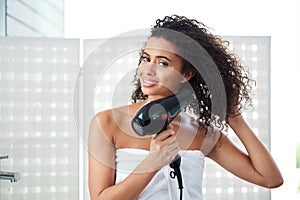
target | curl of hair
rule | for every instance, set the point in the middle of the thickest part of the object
(236, 78)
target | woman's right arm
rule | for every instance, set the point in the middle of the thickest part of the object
(163, 149)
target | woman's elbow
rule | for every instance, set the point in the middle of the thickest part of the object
(274, 182)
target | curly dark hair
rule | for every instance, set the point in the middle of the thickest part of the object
(235, 77)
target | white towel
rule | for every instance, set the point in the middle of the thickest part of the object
(162, 186)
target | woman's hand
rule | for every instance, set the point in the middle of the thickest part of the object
(163, 148)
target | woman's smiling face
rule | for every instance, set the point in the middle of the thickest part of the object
(160, 69)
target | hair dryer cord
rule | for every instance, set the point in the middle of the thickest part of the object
(175, 165)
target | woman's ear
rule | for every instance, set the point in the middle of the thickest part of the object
(188, 75)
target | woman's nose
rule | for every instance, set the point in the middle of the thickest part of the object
(149, 69)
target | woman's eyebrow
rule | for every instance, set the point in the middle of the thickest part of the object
(164, 58)
(158, 56)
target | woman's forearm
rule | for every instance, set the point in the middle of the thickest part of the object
(134, 184)
(129, 189)
(260, 157)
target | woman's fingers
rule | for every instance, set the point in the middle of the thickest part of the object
(162, 139)
(164, 134)
(165, 144)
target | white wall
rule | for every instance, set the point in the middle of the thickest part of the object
(31, 18)
(278, 19)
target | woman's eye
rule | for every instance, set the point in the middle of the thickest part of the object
(145, 59)
(163, 64)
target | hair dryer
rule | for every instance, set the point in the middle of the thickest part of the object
(155, 116)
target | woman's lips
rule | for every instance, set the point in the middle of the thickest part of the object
(148, 83)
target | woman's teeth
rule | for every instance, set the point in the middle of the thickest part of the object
(149, 83)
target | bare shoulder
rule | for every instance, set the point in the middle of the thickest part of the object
(103, 117)
(111, 120)
(108, 117)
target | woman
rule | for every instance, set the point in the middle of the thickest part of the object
(123, 165)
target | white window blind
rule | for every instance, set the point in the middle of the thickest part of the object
(36, 117)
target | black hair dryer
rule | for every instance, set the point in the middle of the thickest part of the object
(155, 116)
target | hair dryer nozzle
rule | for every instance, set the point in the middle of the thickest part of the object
(155, 116)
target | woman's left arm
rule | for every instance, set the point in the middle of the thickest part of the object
(256, 166)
